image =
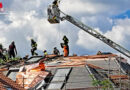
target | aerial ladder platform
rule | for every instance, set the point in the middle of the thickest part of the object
(55, 18)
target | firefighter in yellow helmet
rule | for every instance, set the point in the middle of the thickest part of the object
(45, 53)
(56, 51)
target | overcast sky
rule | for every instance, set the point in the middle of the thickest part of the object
(26, 19)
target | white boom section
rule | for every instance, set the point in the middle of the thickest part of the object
(97, 35)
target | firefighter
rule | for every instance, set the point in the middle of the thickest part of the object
(45, 53)
(12, 50)
(56, 51)
(65, 46)
(34, 47)
(56, 12)
(1, 46)
(49, 12)
(26, 57)
(2, 52)
(1, 55)
(66, 40)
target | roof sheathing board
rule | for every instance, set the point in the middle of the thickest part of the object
(33, 59)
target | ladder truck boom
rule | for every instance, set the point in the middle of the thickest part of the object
(54, 17)
(97, 35)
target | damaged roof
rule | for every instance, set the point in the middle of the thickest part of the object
(73, 72)
(6, 83)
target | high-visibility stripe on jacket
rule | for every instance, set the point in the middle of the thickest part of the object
(34, 45)
(45, 53)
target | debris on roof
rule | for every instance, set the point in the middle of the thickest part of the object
(7, 82)
(30, 79)
(32, 74)
(93, 66)
(118, 76)
(92, 56)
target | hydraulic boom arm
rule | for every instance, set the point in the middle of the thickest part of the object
(97, 35)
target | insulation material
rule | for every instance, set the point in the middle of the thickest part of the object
(37, 66)
(30, 75)
(74, 63)
(66, 63)
(31, 78)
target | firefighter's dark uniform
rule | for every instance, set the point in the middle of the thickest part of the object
(65, 46)
(56, 51)
(34, 47)
(12, 50)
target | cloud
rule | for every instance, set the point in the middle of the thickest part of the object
(92, 7)
(25, 26)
